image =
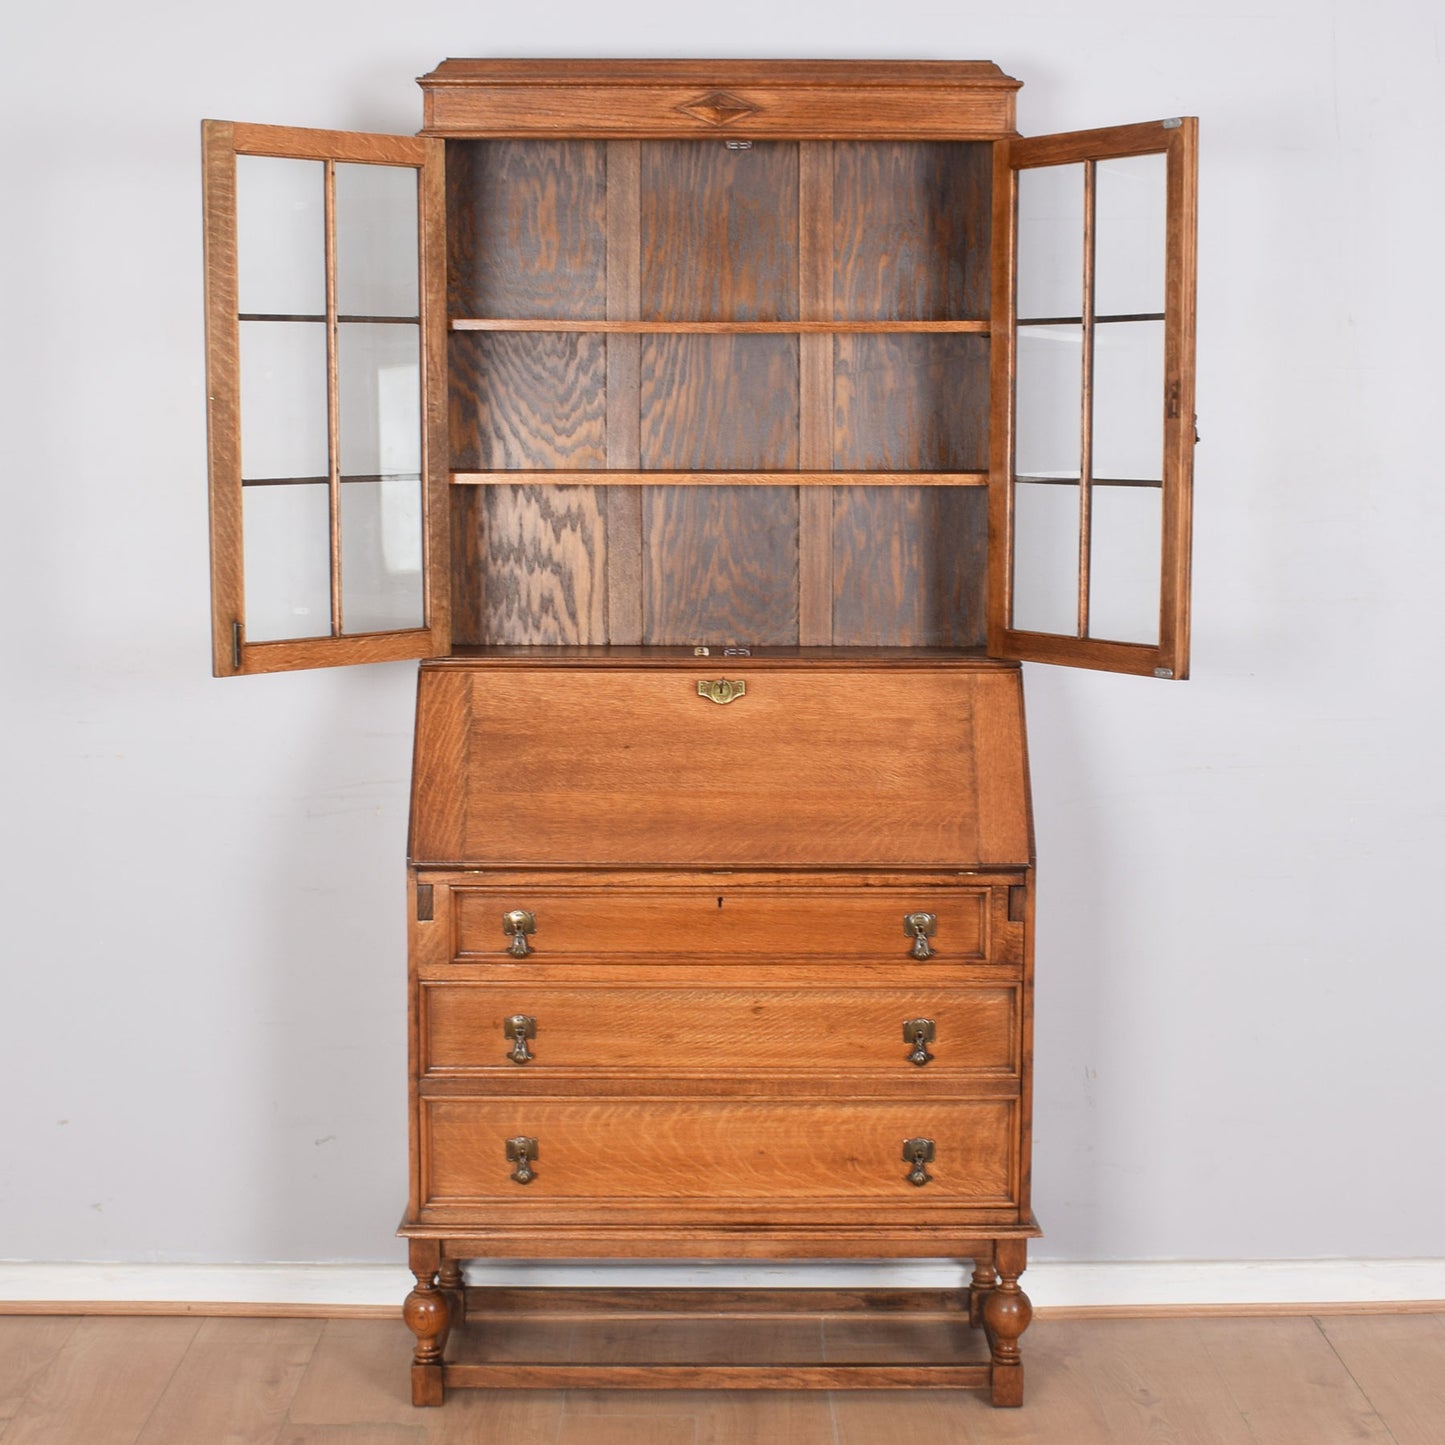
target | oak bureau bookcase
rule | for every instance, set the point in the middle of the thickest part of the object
(721, 436)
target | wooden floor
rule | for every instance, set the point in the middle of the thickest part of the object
(1331, 1380)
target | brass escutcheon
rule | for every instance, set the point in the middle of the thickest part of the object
(918, 1152)
(918, 1032)
(722, 689)
(921, 927)
(522, 1151)
(517, 925)
(519, 1028)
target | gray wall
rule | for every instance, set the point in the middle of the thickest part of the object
(201, 975)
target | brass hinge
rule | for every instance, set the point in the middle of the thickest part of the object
(236, 646)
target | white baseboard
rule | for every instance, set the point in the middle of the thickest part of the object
(1110, 1286)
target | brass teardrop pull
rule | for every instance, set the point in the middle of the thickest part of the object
(517, 925)
(519, 1028)
(922, 927)
(919, 1032)
(522, 1151)
(918, 1152)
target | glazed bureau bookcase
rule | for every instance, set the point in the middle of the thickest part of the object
(721, 436)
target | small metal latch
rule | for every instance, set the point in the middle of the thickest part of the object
(747, 145)
(236, 647)
(737, 652)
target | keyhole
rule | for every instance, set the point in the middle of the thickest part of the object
(719, 903)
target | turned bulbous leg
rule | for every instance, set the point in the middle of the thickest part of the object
(1006, 1315)
(427, 1313)
(985, 1276)
(449, 1280)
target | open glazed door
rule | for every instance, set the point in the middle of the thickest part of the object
(324, 364)
(1092, 422)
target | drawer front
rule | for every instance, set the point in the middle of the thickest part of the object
(713, 921)
(467, 1028)
(811, 767)
(640, 1150)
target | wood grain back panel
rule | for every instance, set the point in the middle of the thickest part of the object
(543, 551)
(909, 566)
(527, 400)
(527, 228)
(713, 403)
(911, 230)
(719, 231)
(911, 403)
(814, 766)
(720, 566)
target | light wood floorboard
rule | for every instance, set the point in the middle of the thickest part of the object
(242, 1372)
(1289, 1385)
(1340, 1380)
(1398, 1361)
(103, 1383)
(27, 1346)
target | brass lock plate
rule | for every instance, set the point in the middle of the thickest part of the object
(721, 689)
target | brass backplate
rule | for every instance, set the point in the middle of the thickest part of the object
(721, 689)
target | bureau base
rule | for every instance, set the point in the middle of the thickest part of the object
(689, 1339)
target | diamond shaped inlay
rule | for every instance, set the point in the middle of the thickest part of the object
(718, 108)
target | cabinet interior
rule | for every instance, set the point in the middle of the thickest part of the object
(806, 320)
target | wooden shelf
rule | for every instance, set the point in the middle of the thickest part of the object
(600, 477)
(720, 328)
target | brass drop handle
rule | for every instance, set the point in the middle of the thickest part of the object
(918, 1152)
(517, 925)
(921, 927)
(918, 1032)
(721, 689)
(522, 1151)
(519, 1028)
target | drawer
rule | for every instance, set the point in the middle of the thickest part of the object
(711, 920)
(705, 1150)
(824, 765)
(466, 1028)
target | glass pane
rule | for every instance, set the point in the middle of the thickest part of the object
(1129, 400)
(1125, 536)
(286, 531)
(1048, 401)
(381, 583)
(1129, 234)
(281, 236)
(376, 231)
(1046, 557)
(379, 377)
(1051, 242)
(283, 399)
